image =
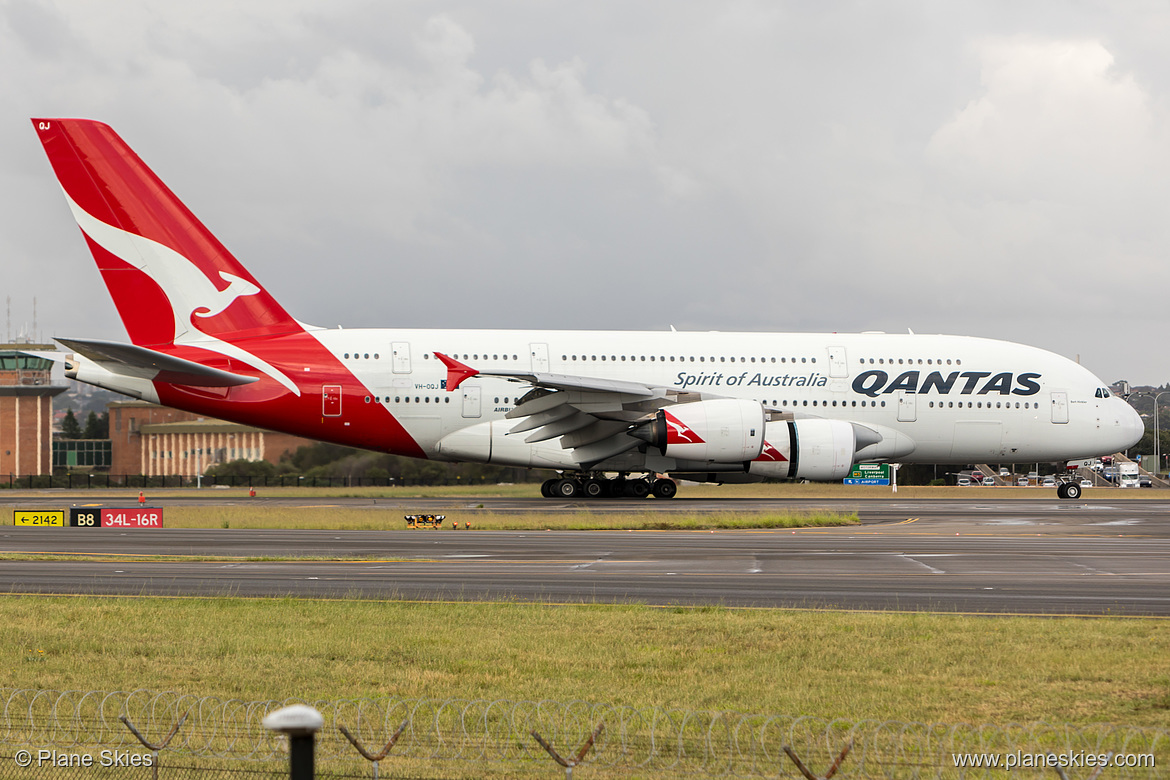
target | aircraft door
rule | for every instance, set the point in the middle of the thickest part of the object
(907, 407)
(471, 405)
(539, 354)
(331, 400)
(400, 352)
(1060, 407)
(838, 367)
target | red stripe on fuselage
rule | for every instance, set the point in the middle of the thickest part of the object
(269, 404)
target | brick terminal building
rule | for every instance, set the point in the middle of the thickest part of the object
(159, 441)
(144, 438)
(26, 410)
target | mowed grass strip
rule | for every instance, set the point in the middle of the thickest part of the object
(376, 518)
(909, 667)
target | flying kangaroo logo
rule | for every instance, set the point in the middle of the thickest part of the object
(237, 288)
(770, 454)
(187, 289)
(678, 432)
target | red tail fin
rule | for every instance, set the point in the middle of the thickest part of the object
(170, 278)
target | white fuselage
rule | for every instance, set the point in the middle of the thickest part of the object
(958, 399)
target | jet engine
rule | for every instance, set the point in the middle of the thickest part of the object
(819, 450)
(718, 431)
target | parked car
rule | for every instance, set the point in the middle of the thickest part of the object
(977, 476)
(1049, 481)
(1086, 483)
(963, 482)
(1145, 481)
(1004, 473)
(1022, 482)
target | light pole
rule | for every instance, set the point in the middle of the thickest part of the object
(1158, 435)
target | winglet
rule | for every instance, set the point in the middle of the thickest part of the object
(456, 371)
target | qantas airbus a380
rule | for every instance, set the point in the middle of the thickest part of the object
(722, 407)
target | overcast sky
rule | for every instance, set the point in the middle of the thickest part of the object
(985, 168)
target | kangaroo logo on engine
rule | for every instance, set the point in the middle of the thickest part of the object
(875, 383)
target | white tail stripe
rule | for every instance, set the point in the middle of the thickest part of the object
(187, 289)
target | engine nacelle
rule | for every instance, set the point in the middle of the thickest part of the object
(820, 450)
(720, 431)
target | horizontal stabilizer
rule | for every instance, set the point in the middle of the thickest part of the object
(142, 363)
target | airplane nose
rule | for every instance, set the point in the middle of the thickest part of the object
(1130, 427)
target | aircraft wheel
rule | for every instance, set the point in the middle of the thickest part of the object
(615, 488)
(664, 488)
(1062, 490)
(637, 488)
(566, 488)
(546, 487)
(1072, 490)
(593, 488)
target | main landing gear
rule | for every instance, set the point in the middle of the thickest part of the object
(590, 486)
(1070, 490)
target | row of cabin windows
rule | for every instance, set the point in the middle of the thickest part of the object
(941, 404)
(980, 405)
(780, 404)
(775, 403)
(909, 361)
(682, 359)
(398, 399)
(427, 356)
(691, 359)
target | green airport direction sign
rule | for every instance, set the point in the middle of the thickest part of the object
(869, 474)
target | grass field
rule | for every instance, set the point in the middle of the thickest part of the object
(856, 665)
(341, 518)
(932, 667)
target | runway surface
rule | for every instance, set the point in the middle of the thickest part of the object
(1038, 556)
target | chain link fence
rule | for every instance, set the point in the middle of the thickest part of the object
(209, 737)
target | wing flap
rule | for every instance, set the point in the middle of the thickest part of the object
(566, 425)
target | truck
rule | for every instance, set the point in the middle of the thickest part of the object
(1127, 475)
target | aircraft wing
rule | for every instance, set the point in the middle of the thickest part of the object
(590, 415)
(142, 363)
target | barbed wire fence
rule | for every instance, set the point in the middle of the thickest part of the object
(215, 737)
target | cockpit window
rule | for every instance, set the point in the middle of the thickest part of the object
(1103, 392)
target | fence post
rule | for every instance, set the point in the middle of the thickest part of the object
(569, 763)
(374, 757)
(154, 749)
(809, 775)
(300, 723)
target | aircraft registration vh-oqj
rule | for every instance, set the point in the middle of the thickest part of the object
(612, 412)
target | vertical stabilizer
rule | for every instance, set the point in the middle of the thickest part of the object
(172, 281)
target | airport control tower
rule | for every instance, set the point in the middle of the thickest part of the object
(26, 410)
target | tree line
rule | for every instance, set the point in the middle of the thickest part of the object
(97, 426)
